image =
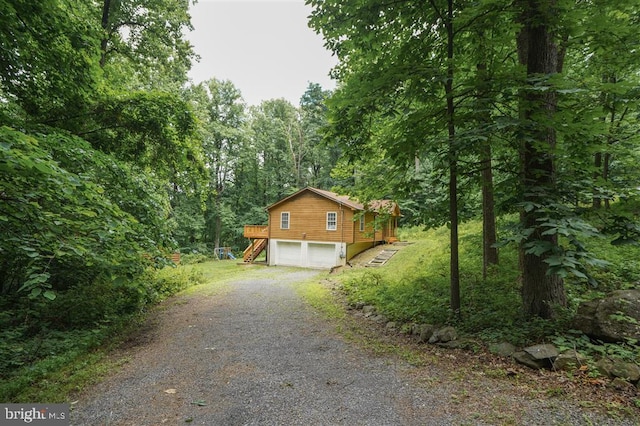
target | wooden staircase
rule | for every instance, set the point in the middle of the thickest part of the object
(255, 248)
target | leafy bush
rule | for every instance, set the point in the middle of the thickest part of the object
(572, 340)
(38, 335)
(70, 215)
(162, 283)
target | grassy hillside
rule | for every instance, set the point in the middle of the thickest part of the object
(414, 285)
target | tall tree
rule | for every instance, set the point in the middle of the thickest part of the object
(222, 116)
(401, 64)
(144, 42)
(322, 155)
(539, 52)
(447, 19)
(274, 129)
(48, 58)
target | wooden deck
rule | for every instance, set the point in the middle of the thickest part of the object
(256, 231)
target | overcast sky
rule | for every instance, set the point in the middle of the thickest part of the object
(264, 47)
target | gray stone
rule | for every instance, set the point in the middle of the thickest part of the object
(537, 357)
(569, 360)
(545, 351)
(621, 369)
(604, 319)
(525, 358)
(443, 335)
(368, 310)
(504, 349)
(627, 371)
(414, 329)
(380, 319)
(391, 325)
(605, 367)
(621, 384)
(426, 331)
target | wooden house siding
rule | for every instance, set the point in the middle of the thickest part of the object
(308, 242)
(308, 219)
(367, 235)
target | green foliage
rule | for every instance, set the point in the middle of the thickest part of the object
(569, 256)
(193, 258)
(144, 43)
(50, 53)
(572, 128)
(152, 129)
(414, 287)
(594, 350)
(616, 224)
(39, 337)
(420, 293)
(82, 220)
(58, 226)
(160, 284)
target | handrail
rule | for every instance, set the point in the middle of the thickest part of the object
(254, 249)
(256, 231)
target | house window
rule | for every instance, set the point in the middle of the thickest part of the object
(332, 221)
(362, 223)
(284, 220)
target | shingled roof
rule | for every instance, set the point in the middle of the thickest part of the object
(375, 205)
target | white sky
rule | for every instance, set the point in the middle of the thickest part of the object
(264, 47)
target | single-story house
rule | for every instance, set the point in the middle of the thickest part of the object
(320, 229)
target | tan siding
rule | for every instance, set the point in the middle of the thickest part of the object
(308, 219)
(357, 248)
(367, 234)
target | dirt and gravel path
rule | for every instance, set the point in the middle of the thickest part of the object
(258, 355)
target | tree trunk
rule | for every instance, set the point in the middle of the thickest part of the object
(453, 168)
(106, 7)
(597, 163)
(489, 235)
(605, 175)
(218, 226)
(541, 291)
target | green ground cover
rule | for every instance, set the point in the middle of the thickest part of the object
(52, 348)
(413, 287)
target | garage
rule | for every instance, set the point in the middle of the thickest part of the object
(288, 253)
(321, 255)
(304, 254)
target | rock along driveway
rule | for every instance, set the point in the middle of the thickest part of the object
(258, 355)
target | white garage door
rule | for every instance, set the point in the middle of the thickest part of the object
(321, 255)
(288, 253)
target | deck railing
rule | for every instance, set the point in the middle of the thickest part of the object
(256, 231)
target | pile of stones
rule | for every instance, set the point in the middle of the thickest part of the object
(614, 318)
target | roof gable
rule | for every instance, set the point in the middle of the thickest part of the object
(386, 206)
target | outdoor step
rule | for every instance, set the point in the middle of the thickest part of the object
(381, 258)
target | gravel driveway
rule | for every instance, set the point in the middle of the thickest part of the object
(258, 355)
